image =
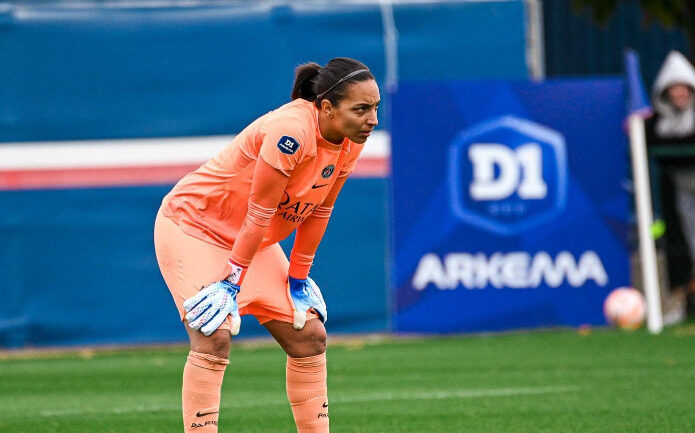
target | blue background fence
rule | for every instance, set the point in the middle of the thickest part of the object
(102, 71)
(79, 266)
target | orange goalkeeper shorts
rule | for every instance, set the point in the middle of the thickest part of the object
(188, 264)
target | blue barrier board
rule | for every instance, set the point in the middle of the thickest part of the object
(509, 210)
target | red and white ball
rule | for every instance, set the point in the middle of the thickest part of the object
(625, 308)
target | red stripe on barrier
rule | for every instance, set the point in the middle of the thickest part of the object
(92, 177)
(134, 176)
(372, 167)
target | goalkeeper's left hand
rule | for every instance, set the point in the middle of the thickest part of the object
(305, 294)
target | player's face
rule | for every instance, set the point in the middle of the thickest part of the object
(356, 114)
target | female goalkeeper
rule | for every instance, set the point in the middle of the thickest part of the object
(217, 233)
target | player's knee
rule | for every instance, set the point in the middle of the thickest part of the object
(318, 342)
(311, 343)
(221, 343)
(218, 343)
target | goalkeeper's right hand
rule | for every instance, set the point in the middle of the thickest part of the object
(207, 310)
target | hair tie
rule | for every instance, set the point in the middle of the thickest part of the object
(347, 77)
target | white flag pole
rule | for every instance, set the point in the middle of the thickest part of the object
(643, 202)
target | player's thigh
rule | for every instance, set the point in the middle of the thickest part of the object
(187, 263)
(264, 293)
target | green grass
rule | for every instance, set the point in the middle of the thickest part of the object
(556, 381)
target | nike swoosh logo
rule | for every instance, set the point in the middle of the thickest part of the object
(199, 414)
(318, 186)
(325, 405)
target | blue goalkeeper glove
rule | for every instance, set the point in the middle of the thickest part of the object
(305, 295)
(211, 306)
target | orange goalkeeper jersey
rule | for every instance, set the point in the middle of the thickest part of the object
(211, 203)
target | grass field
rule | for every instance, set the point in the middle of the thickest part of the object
(556, 381)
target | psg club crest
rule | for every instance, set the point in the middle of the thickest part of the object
(327, 171)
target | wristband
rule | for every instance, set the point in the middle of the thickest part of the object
(236, 273)
(300, 265)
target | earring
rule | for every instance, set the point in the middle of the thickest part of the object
(330, 114)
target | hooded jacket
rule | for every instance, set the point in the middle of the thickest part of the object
(669, 123)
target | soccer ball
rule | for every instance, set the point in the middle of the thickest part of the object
(625, 308)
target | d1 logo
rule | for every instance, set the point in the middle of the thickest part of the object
(507, 175)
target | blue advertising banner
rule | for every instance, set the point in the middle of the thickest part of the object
(509, 210)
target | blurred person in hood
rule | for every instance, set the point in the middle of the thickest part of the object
(673, 123)
(672, 97)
